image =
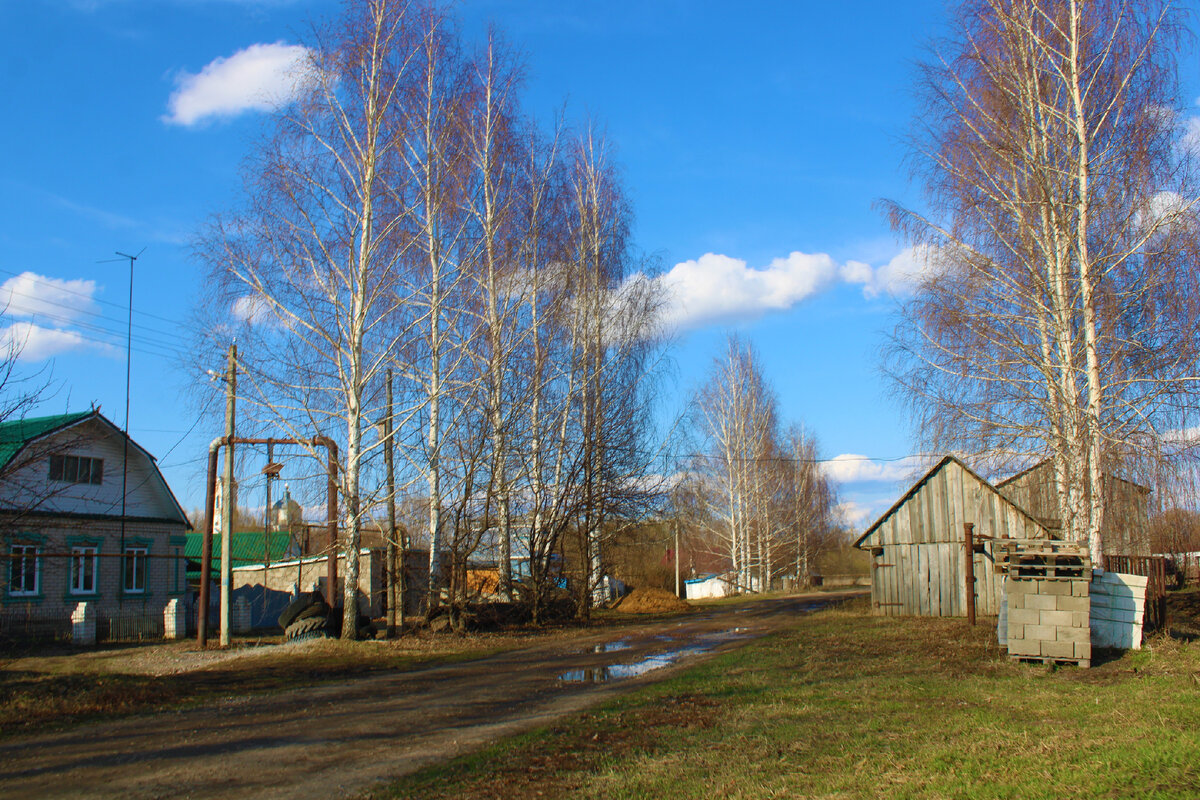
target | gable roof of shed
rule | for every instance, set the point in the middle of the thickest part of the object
(1045, 461)
(933, 471)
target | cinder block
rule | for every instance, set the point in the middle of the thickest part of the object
(1042, 602)
(1019, 586)
(1056, 618)
(1015, 631)
(1075, 635)
(1024, 647)
(1023, 616)
(1080, 619)
(1074, 603)
(1016, 601)
(1056, 587)
(1058, 650)
(1046, 632)
(1079, 588)
(1083, 650)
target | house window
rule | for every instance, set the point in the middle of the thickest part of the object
(85, 561)
(135, 570)
(76, 469)
(23, 570)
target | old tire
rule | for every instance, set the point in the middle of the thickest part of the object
(320, 609)
(307, 628)
(296, 606)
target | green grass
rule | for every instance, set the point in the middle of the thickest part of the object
(849, 705)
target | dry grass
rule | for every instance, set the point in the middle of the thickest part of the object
(849, 705)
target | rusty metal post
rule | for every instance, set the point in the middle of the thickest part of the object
(969, 532)
(210, 503)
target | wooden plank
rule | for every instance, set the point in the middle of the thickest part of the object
(903, 531)
(914, 517)
(921, 582)
(906, 581)
(956, 499)
(926, 587)
(950, 576)
(943, 502)
(935, 580)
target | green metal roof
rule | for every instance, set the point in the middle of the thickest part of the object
(246, 547)
(15, 434)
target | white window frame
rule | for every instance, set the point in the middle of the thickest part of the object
(20, 554)
(135, 556)
(81, 556)
(69, 466)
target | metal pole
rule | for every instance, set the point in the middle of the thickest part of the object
(267, 516)
(392, 582)
(206, 537)
(969, 533)
(227, 505)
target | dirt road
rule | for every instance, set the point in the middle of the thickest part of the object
(341, 739)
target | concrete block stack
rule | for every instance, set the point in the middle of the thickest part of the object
(1048, 619)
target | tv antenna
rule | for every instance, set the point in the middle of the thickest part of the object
(128, 364)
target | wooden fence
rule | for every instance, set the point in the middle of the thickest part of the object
(1155, 569)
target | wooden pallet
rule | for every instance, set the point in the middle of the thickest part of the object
(1072, 662)
(1042, 559)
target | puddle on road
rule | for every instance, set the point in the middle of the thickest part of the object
(611, 647)
(616, 672)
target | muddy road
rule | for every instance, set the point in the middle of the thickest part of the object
(340, 739)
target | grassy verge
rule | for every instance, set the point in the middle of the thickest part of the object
(849, 705)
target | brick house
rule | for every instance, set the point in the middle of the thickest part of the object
(61, 521)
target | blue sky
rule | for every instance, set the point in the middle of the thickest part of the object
(754, 139)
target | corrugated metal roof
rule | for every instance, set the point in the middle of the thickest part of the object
(246, 547)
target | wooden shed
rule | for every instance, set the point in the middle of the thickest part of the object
(918, 564)
(1126, 527)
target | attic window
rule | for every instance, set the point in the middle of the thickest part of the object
(76, 469)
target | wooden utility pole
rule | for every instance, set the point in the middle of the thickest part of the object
(227, 481)
(677, 558)
(394, 570)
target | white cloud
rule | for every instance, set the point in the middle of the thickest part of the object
(897, 277)
(720, 288)
(1190, 140)
(30, 294)
(33, 342)
(854, 515)
(251, 308)
(851, 468)
(261, 77)
(717, 287)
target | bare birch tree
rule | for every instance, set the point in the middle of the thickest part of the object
(1058, 314)
(309, 261)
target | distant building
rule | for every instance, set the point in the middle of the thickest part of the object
(1126, 527)
(61, 522)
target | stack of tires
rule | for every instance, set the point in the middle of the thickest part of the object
(306, 617)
